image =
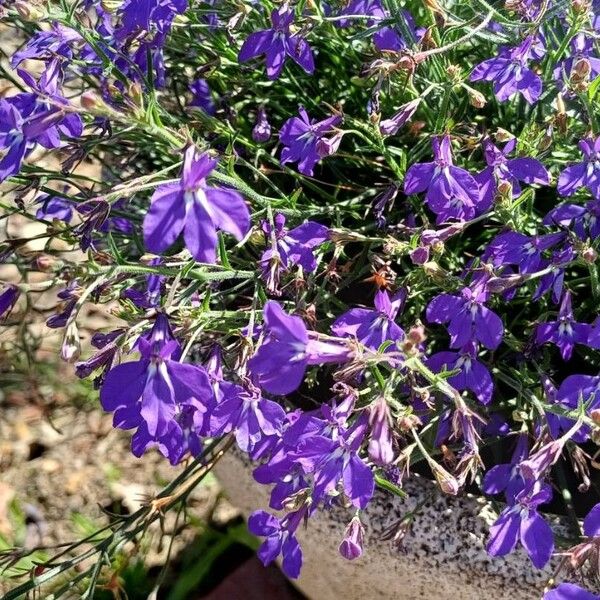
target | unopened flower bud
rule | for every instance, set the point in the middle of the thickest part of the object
(29, 10)
(381, 450)
(437, 246)
(433, 270)
(546, 140)
(416, 334)
(505, 190)
(408, 422)
(453, 71)
(90, 100)
(136, 95)
(420, 255)
(402, 116)
(581, 71)
(503, 136)
(262, 129)
(448, 484)
(580, 7)
(44, 262)
(476, 98)
(71, 347)
(595, 415)
(329, 146)
(352, 544)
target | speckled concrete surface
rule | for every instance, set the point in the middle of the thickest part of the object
(443, 557)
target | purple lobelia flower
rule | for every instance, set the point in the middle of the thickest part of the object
(150, 296)
(583, 220)
(54, 207)
(566, 398)
(591, 523)
(241, 409)
(333, 458)
(452, 192)
(373, 327)
(277, 44)
(151, 392)
(564, 332)
(536, 466)
(401, 117)
(525, 252)
(386, 37)
(570, 591)
(57, 41)
(468, 317)
(381, 450)
(9, 294)
(581, 66)
(261, 132)
(510, 73)
(580, 388)
(182, 436)
(506, 477)
(352, 544)
(150, 15)
(584, 174)
(69, 297)
(103, 360)
(521, 522)
(280, 539)
(195, 208)
(472, 375)
(511, 170)
(554, 280)
(202, 97)
(305, 140)
(288, 248)
(26, 120)
(12, 139)
(289, 348)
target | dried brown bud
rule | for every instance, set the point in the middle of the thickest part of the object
(417, 334)
(44, 263)
(476, 98)
(438, 247)
(427, 41)
(581, 71)
(29, 10)
(408, 422)
(505, 190)
(503, 136)
(91, 101)
(590, 256)
(546, 140)
(580, 7)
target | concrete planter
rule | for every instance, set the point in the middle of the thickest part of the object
(443, 556)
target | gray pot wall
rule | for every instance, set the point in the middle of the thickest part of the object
(443, 556)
